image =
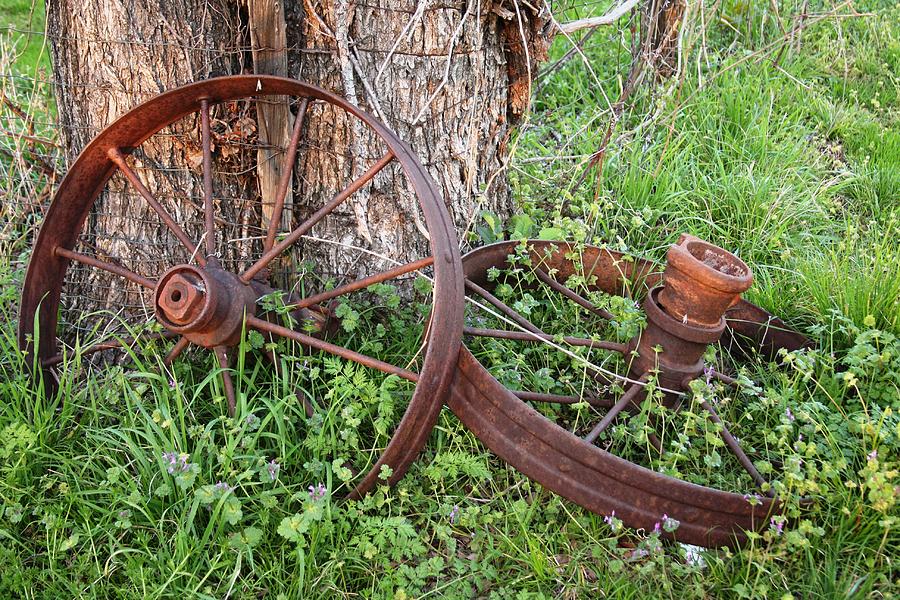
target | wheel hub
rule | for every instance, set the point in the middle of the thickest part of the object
(687, 312)
(206, 305)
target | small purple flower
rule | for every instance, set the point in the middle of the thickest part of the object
(873, 455)
(176, 462)
(657, 528)
(669, 524)
(172, 383)
(789, 415)
(638, 553)
(611, 520)
(708, 376)
(317, 492)
(273, 468)
(454, 513)
(776, 525)
(224, 487)
(753, 499)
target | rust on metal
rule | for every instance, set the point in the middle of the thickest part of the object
(694, 300)
(683, 346)
(571, 295)
(631, 397)
(284, 185)
(537, 337)
(702, 281)
(690, 303)
(291, 238)
(204, 304)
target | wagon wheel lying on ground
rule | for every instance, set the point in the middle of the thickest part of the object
(690, 305)
(215, 277)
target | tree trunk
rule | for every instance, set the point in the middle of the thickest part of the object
(108, 57)
(446, 77)
(663, 20)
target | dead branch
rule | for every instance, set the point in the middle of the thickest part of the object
(609, 18)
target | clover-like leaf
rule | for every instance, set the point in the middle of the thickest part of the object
(231, 510)
(245, 539)
(292, 528)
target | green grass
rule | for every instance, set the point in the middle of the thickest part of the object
(21, 25)
(795, 167)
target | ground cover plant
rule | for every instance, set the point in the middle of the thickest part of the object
(130, 481)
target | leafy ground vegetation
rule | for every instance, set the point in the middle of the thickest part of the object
(780, 141)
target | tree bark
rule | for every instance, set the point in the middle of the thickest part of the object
(449, 78)
(439, 75)
(109, 56)
(663, 21)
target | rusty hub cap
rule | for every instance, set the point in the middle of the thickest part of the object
(693, 302)
(207, 306)
(683, 346)
(702, 281)
(181, 297)
(687, 312)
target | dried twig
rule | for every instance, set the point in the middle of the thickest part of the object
(417, 16)
(639, 53)
(591, 22)
(446, 75)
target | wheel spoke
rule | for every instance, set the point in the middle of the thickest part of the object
(601, 374)
(227, 382)
(724, 378)
(522, 321)
(626, 399)
(105, 266)
(558, 399)
(176, 351)
(116, 155)
(208, 206)
(367, 361)
(320, 214)
(360, 284)
(736, 449)
(127, 342)
(536, 337)
(570, 294)
(287, 174)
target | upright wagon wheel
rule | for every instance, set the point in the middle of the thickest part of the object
(688, 305)
(214, 278)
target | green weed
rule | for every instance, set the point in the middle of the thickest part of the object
(128, 480)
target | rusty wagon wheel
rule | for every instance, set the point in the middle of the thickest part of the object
(209, 278)
(687, 306)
